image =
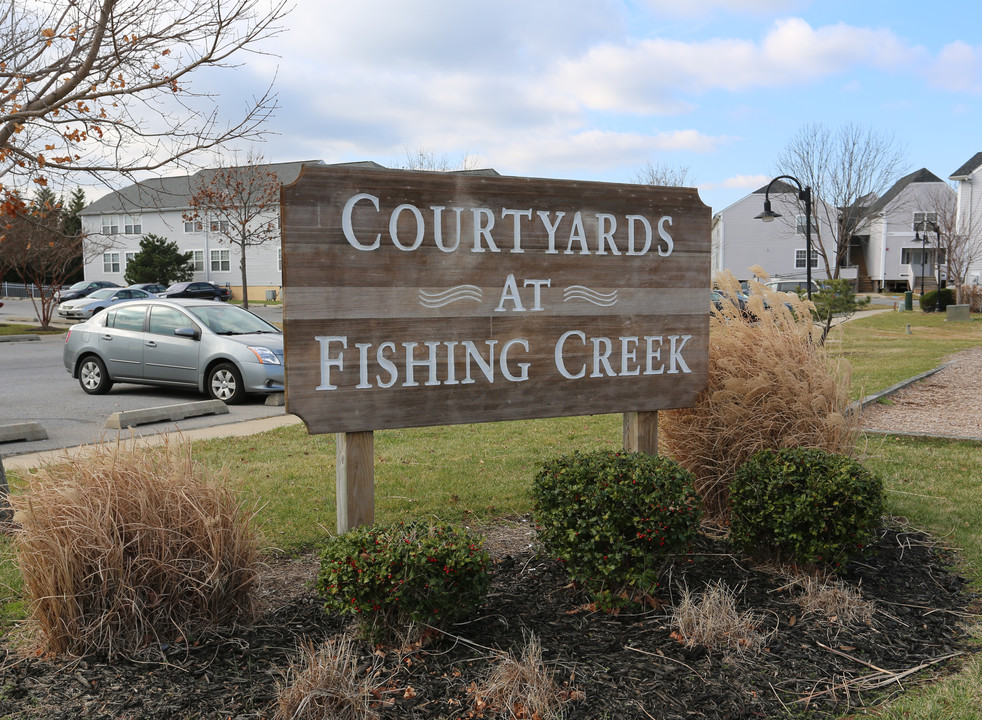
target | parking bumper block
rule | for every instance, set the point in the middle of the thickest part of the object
(165, 413)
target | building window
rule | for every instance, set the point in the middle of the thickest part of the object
(110, 224)
(198, 261)
(110, 262)
(132, 225)
(219, 226)
(799, 259)
(220, 261)
(925, 221)
(128, 258)
(800, 223)
(279, 259)
(192, 226)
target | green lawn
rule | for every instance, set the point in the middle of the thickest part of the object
(481, 473)
(882, 350)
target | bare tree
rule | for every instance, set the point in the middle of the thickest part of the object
(961, 246)
(847, 169)
(103, 86)
(663, 175)
(241, 206)
(423, 159)
(40, 243)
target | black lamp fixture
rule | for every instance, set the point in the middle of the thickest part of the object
(923, 239)
(805, 195)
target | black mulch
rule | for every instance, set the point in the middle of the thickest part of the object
(626, 666)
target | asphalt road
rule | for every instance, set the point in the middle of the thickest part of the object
(35, 387)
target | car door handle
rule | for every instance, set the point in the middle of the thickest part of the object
(151, 343)
(107, 336)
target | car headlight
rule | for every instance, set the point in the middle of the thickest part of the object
(265, 355)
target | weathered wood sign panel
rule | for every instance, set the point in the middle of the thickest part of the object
(416, 298)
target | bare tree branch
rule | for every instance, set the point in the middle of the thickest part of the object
(103, 86)
(847, 170)
(241, 205)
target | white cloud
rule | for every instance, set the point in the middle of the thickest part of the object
(740, 181)
(703, 8)
(649, 76)
(958, 68)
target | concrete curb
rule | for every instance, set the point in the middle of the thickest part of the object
(19, 338)
(235, 429)
(17, 432)
(165, 413)
(927, 436)
(870, 399)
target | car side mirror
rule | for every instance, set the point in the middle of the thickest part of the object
(188, 332)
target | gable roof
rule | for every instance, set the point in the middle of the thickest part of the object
(174, 193)
(918, 176)
(968, 168)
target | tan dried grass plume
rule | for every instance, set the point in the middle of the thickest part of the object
(712, 620)
(522, 687)
(771, 385)
(129, 545)
(324, 683)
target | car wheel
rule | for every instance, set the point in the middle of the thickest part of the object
(225, 383)
(216, 298)
(93, 377)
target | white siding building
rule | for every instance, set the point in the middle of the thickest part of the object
(158, 206)
(894, 237)
(967, 177)
(739, 241)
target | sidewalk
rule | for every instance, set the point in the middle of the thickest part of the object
(238, 429)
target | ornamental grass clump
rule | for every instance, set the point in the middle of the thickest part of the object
(771, 385)
(329, 682)
(615, 520)
(130, 546)
(804, 505)
(393, 575)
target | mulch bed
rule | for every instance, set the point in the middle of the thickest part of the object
(622, 666)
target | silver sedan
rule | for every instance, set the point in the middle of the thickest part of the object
(220, 349)
(85, 307)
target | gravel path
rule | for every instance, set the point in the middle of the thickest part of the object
(946, 403)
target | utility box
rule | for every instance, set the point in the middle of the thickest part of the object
(270, 295)
(957, 313)
(908, 301)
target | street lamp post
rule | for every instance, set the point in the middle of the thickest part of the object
(923, 239)
(805, 195)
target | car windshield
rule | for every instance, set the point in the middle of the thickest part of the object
(79, 285)
(101, 294)
(224, 319)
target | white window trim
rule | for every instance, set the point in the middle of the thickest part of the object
(816, 259)
(220, 261)
(110, 262)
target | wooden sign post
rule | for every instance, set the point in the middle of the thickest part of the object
(415, 298)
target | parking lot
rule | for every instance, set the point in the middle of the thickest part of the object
(38, 389)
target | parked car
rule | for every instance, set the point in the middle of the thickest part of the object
(82, 288)
(152, 288)
(792, 286)
(221, 350)
(85, 307)
(197, 289)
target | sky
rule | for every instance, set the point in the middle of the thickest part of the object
(597, 89)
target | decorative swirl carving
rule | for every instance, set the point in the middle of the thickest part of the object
(580, 292)
(451, 295)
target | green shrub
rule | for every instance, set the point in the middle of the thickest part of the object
(393, 575)
(937, 299)
(804, 504)
(836, 297)
(615, 519)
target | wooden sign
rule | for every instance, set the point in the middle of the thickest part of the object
(418, 298)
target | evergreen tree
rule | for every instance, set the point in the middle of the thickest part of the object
(159, 261)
